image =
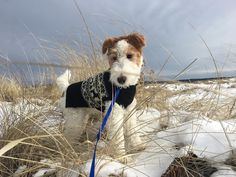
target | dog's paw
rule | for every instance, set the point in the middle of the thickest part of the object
(134, 146)
(135, 149)
(125, 159)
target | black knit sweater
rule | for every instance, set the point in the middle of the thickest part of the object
(95, 91)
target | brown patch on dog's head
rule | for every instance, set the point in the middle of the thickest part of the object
(108, 44)
(134, 55)
(137, 40)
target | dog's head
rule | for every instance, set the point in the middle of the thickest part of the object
(125, 58)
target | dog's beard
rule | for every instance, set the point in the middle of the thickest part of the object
(125, 67)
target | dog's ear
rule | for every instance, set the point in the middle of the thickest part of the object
(137, 40)
(107, 44)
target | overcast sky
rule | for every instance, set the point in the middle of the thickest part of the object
(172, 27)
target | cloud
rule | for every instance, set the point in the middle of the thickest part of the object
(166, 24)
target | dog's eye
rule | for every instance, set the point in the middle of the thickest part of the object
(129, 56)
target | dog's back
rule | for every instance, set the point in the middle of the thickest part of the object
(63, 80)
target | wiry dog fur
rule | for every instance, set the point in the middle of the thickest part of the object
(125, 58)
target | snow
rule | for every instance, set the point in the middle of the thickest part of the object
(149, 120)
(44, 171)
(209, 86)
(202, 99)
(20, 170)
(47, 171)
(106, 166)
(202, 94)
(206, 137)
(224, 172)
(11, 113)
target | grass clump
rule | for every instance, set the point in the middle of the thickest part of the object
(10, 89)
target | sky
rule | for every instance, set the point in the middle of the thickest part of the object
(177, 31)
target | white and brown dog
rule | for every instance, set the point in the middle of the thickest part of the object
(125, 58)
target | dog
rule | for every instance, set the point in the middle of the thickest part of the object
(125, 58)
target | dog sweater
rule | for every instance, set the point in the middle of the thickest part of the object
(95, 91)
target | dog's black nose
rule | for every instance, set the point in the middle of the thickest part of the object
(121, 79)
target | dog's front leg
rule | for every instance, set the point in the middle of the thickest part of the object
(115, 129)
(75, 122)
(133, 143)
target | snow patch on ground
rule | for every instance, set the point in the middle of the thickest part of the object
(12, 113)
(208, 138)
(148, 119)
(106, 166)
(224, 171)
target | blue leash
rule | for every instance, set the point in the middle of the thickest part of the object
(92, 169)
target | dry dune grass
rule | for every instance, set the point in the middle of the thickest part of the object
(208, 103)
(81, 65)
(28, 136)
(154, 95)
(10, 89)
